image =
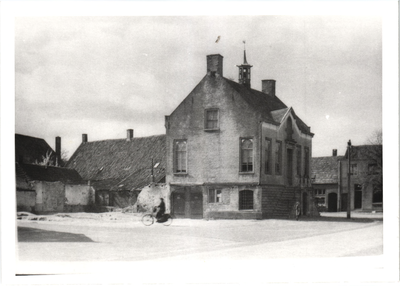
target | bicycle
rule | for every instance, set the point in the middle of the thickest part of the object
(165, 219)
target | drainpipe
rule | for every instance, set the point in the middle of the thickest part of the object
(348, 179)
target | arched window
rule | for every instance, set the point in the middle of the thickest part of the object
(246, 164)
(246, 200)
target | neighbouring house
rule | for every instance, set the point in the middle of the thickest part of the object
(236, 152)
(118, 169)
(325, 181)
(32, 150)
(331, 179)
(44, 189)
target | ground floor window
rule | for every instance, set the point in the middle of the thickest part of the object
(246, 200)
(214, 196)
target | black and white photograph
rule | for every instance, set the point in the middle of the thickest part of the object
(231, 143)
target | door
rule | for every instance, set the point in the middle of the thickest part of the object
(196, 205)
(357, 196)
(289, 172)
(332, 202)
(305, 203)
(178, 204)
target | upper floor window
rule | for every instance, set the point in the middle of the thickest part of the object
(268, 156)
(372, 169)
(180, 153)
(306, 162)
(246, 200)
(289, 129)
(298, 160)
(246, 156)
(278, 158)
(354, 169)
(212, 118)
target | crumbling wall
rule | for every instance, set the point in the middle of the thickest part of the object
(53, 196)
(26, 200)
(150, 196)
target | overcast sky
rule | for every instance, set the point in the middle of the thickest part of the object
(103, 75)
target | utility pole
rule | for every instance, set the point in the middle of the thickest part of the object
(348, 178)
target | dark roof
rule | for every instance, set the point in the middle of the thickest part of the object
(271, 108)
(120, 163)
(30, 149)
(365, 152)
(31, 172)
(325, 169)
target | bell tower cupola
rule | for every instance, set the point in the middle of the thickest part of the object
(244, 70)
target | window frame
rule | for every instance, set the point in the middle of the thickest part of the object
(244, 202)
(214, 196)
(278, 158)
(298, 160)
(241, 153)
(175, 157)
(354, 169)
(206, 112)
(306, 162)
(268, 156)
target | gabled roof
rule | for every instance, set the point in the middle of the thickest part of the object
(31, 172)
(30, 149)
(271, 108)
(325, 169)
(120, 163)
(365, 152)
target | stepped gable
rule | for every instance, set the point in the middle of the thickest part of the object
(121, 163)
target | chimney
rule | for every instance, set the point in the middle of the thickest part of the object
(334, 152)
(58, 151)
(268, 87)
(129, 135)
(84, 138)
(214, 64)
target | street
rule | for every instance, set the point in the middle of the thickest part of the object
(124, 238)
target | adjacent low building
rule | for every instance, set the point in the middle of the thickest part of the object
(330, 180)
(118, 169)
(49, 189)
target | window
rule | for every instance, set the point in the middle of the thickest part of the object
(298, 161)
(268, 155)
(211, 122)
(306, 162)
(246, 200)
(372, 169)
(278, 158)
(354, 169)
(180, 156)
(246, 164)
(289, 129)
(214, 196)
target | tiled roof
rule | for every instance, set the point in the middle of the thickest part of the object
(325, 169)
(31, 149)
(119, 163)
(271, 108)
(365, 152)
(31, 172)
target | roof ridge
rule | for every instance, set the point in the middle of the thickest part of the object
(124, 139)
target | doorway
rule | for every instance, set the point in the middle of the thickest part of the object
(357, 196)
(332, 202)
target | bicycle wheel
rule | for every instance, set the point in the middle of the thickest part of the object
(147, 219)
(168, 221)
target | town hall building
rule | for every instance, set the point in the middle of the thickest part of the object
(236, 152)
